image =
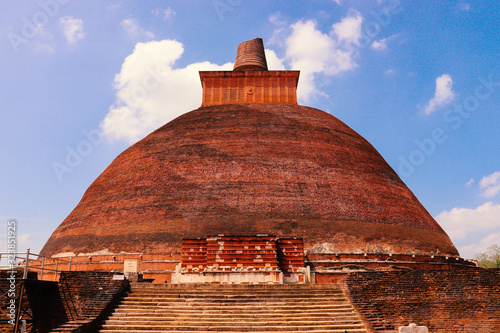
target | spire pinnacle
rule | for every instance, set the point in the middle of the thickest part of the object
(250, 56)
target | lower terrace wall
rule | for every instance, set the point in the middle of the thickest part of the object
(320, 262)
(159, 268)
(460, 300)
(10, 289)
(89, 296)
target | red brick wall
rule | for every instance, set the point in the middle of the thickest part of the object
(5, 298)
(225, 87)
(466, 300)
(260, 252)
(89, 295)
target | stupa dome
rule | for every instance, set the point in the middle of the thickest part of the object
(250, 161)
(286, 170)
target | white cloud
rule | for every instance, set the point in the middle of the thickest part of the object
(470, 250)
(277, 20)
(72, 29)
(113, 7)
(273, 62)
(316, 53)
(470, 182)
(147, 82)
(443, 95)
(151, 92)
(379, 44)
(135, 32)
(463, 6)
(389, 71)
(338, 2)
(166, 13)
(348, 30)
(490, 185)
(460, 222)
(44, 48)
(280, 32)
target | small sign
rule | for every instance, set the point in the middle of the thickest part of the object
(132, 266)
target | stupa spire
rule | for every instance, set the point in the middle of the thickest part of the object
(250, 56)
(250, 81)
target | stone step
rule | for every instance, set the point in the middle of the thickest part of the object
(236, 293)
(205, 308)
(240, 326)
(232, 322)
(243, 292)
(232, 285)
(194, 286)
(223, 290)
(270, 297)
(226, 316)
(194, 312)
(283, 300)
(229, 302)
(310, 330)
(263, 307)
(242, 309)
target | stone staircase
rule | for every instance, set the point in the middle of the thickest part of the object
(201, 308)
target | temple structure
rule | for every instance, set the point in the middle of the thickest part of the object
(251, 168)
(250, 214)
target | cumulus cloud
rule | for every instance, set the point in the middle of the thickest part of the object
(134, 31)
(389, 71)
(164, 13)
(44, 48)
(470, 182)
(443, 95)
(273, 62)
(150, 92)
(348, 30)
(313, 52)
(148, 84)
(490, 185)
(470, 250)
(281, 30)
(72, 29)
(464, 6)
(460, 222)
(379, 44)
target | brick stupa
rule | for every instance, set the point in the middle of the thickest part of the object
(250, 161)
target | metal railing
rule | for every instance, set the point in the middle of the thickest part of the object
(27, 262)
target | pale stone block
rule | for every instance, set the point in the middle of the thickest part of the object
(413, 328)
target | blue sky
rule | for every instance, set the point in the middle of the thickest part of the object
(82, 80)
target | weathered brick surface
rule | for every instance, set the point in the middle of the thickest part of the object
(322, 261)
(290, 254)
(5, 298)
(46, 304)
(230, 253)
(237, 253)
(225, 87)
(251, 56)
(466, 300)
(88, 296)
(155, 266)
(249, 169)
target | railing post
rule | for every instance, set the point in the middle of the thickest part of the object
(41, 272)
(69, 267)
(57, 265)
(25, 274)
(18, 312)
